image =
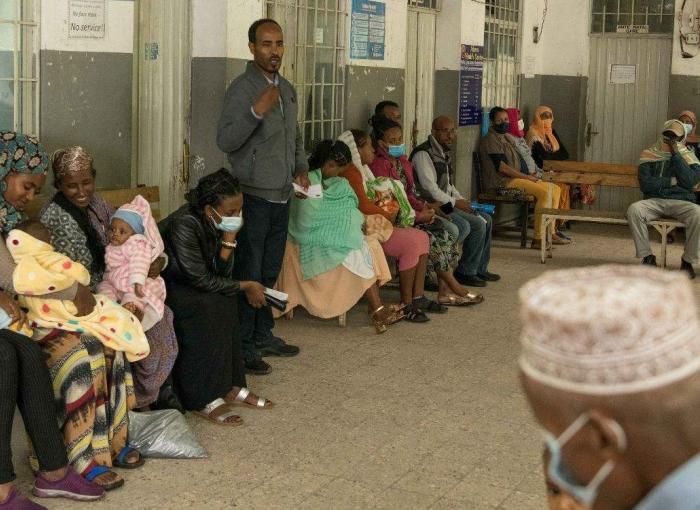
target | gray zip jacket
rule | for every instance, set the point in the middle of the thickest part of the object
(265, 154)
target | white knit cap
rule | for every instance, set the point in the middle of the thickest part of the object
(609, 330)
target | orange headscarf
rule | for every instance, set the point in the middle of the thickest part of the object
(541, 130)
(692, 137)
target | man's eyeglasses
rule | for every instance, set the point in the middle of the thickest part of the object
(449, 131)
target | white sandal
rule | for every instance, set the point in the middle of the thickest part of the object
(243, 393)
(220, 419)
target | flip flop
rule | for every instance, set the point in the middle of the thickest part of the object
(120, 461)
(206, 413)
(100, 470)
(243, 393)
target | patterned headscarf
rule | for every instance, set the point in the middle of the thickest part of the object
(23, 154)
(541, 130)
(657, 152)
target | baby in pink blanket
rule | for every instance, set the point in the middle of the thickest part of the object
(134, 244)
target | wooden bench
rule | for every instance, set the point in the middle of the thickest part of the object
(491, 197)
(114, 197)
(598, 174)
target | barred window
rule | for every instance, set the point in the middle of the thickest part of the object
(314, 36)
(433, 5)
(501, 53)
(19, 65)
(638, 16)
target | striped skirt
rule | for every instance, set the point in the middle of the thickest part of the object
(94, 390)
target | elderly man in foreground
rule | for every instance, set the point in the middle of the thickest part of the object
(611, 368)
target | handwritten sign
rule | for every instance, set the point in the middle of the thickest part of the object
(367, 30)
(471, 76)
(632, 29)
(86, 19)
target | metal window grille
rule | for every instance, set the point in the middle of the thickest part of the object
(656, 15)
(19, 65)
(501, 85)
(433, 5)
(314, 34)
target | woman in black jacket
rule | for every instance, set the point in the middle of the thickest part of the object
(200, 238)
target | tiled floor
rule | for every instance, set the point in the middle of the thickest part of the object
(425, 416)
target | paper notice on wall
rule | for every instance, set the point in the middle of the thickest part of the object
(86, 19)
(622, 74)
(367, 30)
(529, 67)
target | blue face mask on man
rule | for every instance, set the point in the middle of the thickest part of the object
(229, 223)
(562, 477)
(396, 151)
(502, 128)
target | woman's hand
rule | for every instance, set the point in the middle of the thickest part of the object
(156, 267)
(425, 216)
(254, 293)
(138, 290)
(84, 301)
(13, 310)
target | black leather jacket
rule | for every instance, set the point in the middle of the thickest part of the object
(193, 245)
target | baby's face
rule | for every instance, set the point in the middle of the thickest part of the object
(120, 231)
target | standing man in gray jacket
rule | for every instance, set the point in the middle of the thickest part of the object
(258, 131)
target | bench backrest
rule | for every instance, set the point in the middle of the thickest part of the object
(114, 197)
(584, 172)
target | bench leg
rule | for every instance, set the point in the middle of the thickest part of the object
(524, 217)
(664, 244)
(544, 240)
(343, 320)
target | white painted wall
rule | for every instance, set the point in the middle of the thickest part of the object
(240, 15)
(209, 28)
(679, 65)
(395, 37)
(472, 22)
(119, 30)
(564, 46)
(448, 26)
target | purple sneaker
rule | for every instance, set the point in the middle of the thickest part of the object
(18, 501)
(72, 486)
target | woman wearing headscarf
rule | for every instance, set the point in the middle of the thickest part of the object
(78, 219)
(516, 134)
(545, 144)
(329, 264)
(200, 239)
(92, 385)
(24, 377)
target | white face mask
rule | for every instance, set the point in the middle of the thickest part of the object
(521, 125)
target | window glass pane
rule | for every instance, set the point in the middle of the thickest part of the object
(597, 24)
(625, 5)
(7, 98)
(640, 19)
(624, 19)
(669, 6)
(8, 9)
(7, 45)
(611, 5)
(611, 23)
(598, 5)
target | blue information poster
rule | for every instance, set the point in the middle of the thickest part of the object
(367, 30)
(471, 75)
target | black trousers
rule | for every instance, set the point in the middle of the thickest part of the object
(25, 383)
(259, 258)
(210, 360)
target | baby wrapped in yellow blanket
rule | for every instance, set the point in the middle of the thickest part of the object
(41, 270)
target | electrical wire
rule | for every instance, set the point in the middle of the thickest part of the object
(544, 17)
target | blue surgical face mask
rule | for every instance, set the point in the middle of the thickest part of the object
(688, 129)
(501, 129)
(396, 151)
(562, 477)
(229, 223)
(5, 319)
